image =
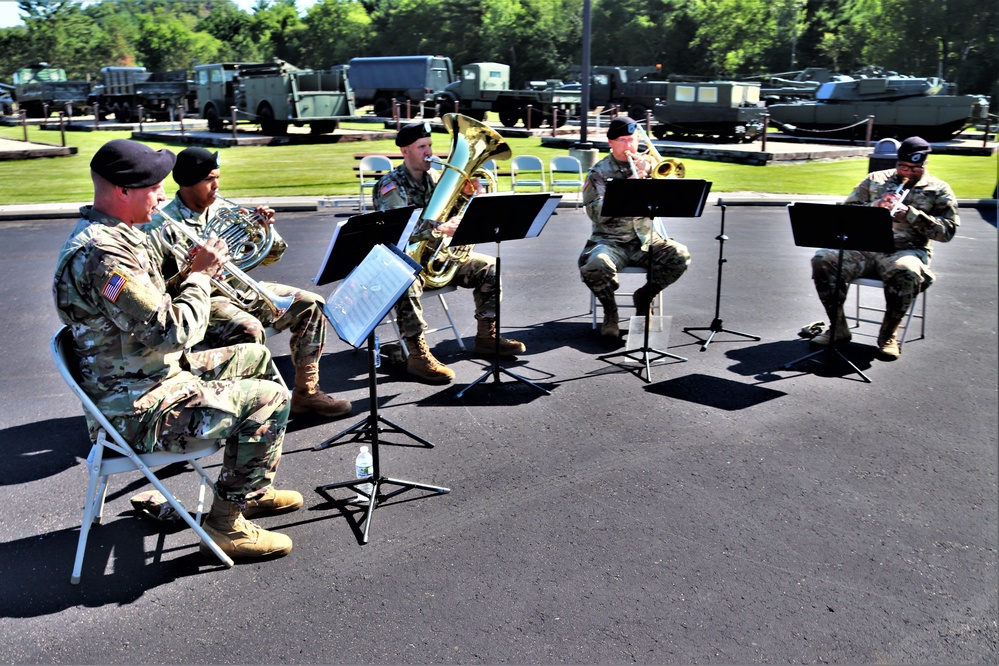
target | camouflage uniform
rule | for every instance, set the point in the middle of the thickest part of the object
(397, 189)
(932, 215)
(620, 242)
(133, 341)
(230, 324)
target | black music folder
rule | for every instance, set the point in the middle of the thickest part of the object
(841, 227)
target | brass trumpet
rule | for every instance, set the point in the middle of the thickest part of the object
(248, 234)
(661, 168)
(247, 298)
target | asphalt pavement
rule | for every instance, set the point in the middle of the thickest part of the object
(727, 511)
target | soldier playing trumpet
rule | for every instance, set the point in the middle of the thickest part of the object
(620, 242)
(196, 204)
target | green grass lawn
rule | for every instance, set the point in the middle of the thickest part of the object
(328, 169)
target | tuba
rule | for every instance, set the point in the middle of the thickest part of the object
(252, 291)
(248, 234)
(661, 168)
(472, 144)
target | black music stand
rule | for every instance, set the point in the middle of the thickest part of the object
(716, 323)
(865, 228)
(652, 197)
(354, 309)
(497, 217)
(352, 239)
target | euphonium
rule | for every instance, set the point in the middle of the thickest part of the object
(472, 145)
(245, 299)
(248, 234)
(661, 168)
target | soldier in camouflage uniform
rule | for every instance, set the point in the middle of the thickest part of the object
(412, 184)
(927, 213)
(133, 341)
(620, 242)
(197, 175)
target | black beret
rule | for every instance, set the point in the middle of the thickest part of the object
(412, 132)
(621, 126)
(914, 150)
(127, 163)
(194, 165)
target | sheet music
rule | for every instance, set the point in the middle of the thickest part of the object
(366, 295)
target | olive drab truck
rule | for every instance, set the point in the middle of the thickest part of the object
(485, 86)
(40, 90)
(122, 90)
(273, 95)
(380, 82)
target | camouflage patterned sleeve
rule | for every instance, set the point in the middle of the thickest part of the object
(120, 285)
(933, 211)
(593, 193)
(277, 250)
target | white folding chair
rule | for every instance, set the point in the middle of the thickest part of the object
(527, 171)
(111, 454)
(489, 166)
(566, 171)
(451, 325)
(624, 297)
(369, 171)
(919, 301)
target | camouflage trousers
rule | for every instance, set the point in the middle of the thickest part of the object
(478, 273)
(905, 273)
(600, 262)
(231, 395)
(230, 325)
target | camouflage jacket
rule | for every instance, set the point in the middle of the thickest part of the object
(129, 334)
(176, 209)
(932, 214)
(398, 189)
(617, 230)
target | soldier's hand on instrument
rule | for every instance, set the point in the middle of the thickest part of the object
(448, 228)
(210, 257)
(266, 213)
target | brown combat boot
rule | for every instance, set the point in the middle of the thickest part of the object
(888, 347)
(274, 502)
(421, 363)
(485, 341)
(843, 334)
(610, 328)
(239, 538)
(308, 399)
(642, 300)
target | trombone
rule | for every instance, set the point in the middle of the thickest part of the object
(245, 299)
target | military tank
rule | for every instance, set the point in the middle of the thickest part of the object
(902, 106)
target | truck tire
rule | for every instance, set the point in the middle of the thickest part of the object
(123, 113)
(476, 114)
(509, 115)
(639, 112)
(213, 118)
(268, 125)
(383, 107)
(323, 126)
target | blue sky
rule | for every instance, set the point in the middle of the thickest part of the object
(9, 16)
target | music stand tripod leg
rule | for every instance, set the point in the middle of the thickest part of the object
(716, 324)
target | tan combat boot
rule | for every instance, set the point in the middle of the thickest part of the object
(485, 341)
(842, 332)
(888, 347)
(239, 538)
(610, 328)
(308, 399)
(274, 502)
(421, 363)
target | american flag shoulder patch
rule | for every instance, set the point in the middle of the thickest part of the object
(386, 188)
(113, 288)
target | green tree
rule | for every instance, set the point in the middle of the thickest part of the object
(335, 31)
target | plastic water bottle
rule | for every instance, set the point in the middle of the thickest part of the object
(364, 469)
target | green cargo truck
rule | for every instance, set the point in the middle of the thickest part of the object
(40, 90)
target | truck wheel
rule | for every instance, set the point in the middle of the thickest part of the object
(476, 114)
(638, 112)
(323, 126)
(533, 117)
(123, 114)
(214, 121)
(509, 116)
(383, 107)
(268, 125)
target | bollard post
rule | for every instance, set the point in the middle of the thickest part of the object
(97, 115)
(409, 111)
(527, 117)
(456, 106)
(870, 131)
(554, 121)
(69, 113)
(62, 128)
(766, 125)
(139, 109)
(45, 115)
(232, 121)
(24, 122)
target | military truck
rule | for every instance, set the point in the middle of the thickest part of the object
(414, 79)
(485, 86)
(122, 90)
(634, 90)
(38, 87)
(273, 95)
(709, 110)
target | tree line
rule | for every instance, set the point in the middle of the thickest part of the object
(540, 39)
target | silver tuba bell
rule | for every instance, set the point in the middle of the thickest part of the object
(247, 233)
